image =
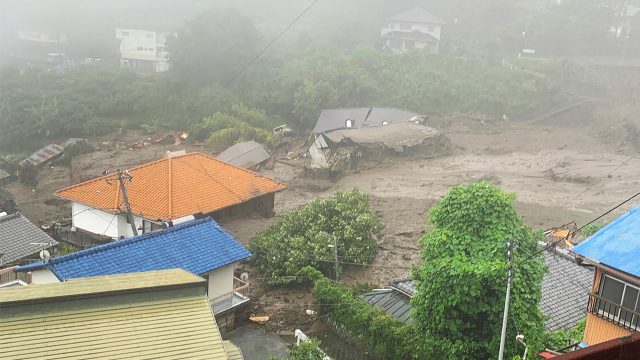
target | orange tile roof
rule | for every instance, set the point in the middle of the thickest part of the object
(174, 187)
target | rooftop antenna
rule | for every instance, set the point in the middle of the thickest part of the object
(45, 255)
(122, 176)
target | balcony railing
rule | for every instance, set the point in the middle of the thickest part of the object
(8, 275)
(231, 299)
(621, 316)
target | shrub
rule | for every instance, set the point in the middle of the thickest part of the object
(591, 229)
(562, 338)
(380, 333)
(304, 238)
(222, 130)
(79, 148)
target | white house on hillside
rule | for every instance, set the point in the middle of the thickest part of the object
(413, 29)
(143, 50)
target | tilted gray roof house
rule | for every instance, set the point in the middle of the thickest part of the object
(333, 119)
(20, 238)
(564, 292)
(245, 155)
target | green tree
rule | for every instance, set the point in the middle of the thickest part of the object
(222, 130)
(459, 303)
(212, 48)
(303, 238)
(308, 350)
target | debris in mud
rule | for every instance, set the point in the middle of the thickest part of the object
(566, 176)
(562, 236)
(335, 153)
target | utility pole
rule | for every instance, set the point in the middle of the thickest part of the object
(335, 252)
(123, 189)
(505, 316)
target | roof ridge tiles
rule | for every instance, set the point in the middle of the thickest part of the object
(10, 216)
(124, 242)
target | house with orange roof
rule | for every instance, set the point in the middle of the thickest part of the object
(165, 192)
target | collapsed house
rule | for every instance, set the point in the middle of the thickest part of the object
(345, 138)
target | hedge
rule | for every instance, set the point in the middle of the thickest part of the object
(380, 333)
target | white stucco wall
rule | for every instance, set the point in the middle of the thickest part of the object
(221, 281)
(44, 276)
(103, 223)
(94, 221)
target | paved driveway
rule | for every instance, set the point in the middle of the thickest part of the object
(257, 344)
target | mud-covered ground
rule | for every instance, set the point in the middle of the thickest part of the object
(567, 167)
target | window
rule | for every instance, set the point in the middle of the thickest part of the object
(125, 33)
(621, 300)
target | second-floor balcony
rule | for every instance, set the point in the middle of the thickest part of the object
(231, 299)
(618, 314)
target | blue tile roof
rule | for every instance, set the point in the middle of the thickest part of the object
(197, 246)
(617, 244)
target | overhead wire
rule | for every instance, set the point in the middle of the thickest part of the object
(554, 243)
(273, 41)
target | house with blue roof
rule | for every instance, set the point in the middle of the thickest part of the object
(200, 247)
(613, 308)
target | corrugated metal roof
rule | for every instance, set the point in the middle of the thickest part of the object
(565, 287)
(391, 302)
(245, 155)
(43, 155)
(99, 285)
(170, 321)
(20, 238)
(197, 246)
(332, 119)
(616, 245)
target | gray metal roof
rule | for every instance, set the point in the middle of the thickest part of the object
(391, 302)
(17, 235)
(397, 136)
(565, 289)
(43, 155)
(417, 16)
(245, 155)
(332, 119)
(3, 174)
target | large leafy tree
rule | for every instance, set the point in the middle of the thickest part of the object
(459, 304)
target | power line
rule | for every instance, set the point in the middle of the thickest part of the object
(271, 43)
(624, 163)
(554, 243)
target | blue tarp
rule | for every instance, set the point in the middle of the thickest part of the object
(616, 245)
